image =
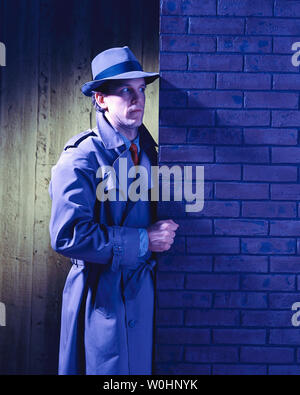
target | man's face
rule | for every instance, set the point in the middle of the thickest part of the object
(125, 102)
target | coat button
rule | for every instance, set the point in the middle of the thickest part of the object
(131, 323)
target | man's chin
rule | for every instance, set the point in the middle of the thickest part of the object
(134, 123)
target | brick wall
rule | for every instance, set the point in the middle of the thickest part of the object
(229, 101)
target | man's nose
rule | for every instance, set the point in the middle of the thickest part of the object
(136, 96)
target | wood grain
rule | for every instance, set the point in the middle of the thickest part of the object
(49, 49)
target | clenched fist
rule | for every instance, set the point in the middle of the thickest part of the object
(161, 235)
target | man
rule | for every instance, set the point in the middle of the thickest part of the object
(108, 299)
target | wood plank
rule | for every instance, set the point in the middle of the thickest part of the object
(49, 49)
(150, 63)
(63, 112)
(18, 126)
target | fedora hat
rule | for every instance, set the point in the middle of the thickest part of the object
(115, 64)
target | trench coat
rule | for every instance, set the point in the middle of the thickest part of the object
(108, 300)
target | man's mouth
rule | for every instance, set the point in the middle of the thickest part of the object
(135, 109)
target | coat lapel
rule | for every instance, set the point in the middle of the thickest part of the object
(119, 181)
(148, 158)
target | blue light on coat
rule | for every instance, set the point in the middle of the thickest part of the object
(144, 240)
(108, 298)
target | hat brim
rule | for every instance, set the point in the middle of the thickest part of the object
(90, 86)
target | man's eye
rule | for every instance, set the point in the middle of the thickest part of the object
(127, 90)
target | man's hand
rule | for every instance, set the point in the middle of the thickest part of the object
(161, 235)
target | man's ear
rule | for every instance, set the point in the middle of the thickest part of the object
(99, 97)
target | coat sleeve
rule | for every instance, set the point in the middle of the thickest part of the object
(73, 230)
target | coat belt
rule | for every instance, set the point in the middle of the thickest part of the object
(134, 275)
(134, 278)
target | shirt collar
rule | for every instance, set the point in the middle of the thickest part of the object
(128, 142)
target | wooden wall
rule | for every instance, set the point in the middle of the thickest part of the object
(50, 44)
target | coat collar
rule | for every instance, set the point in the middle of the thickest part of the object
(111, 138)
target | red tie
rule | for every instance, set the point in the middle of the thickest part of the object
(134, 154)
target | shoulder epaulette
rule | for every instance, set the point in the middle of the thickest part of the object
(78, 141)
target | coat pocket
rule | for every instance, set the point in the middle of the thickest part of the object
(107, 293)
